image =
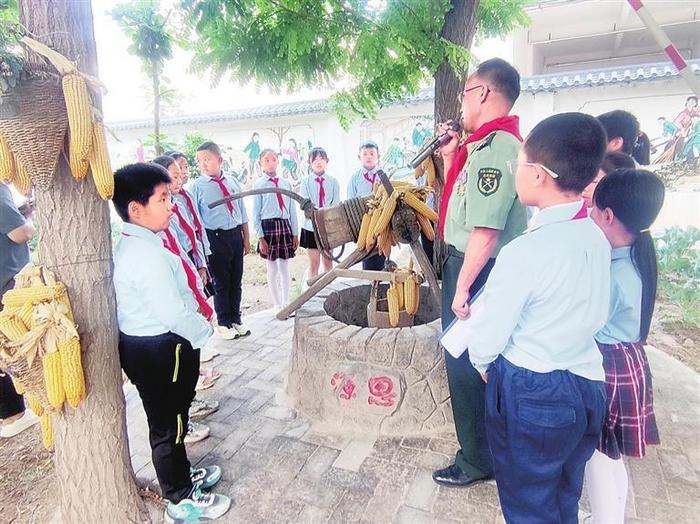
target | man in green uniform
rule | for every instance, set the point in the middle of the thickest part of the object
(479, 213)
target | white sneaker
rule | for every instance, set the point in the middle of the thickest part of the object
(27, 420)
(242, 330)
(198, 507)
(226, 333)
(196, 432)
(202, 408)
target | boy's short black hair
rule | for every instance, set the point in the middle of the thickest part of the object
(316, 152)
(622, 124)
(369, 144)
(570, 144)
(164, 160)
(211, 147)
(501, 76)
(136, 183)
(691, 97)
(616, 160)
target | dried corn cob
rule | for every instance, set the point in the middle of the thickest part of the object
(72, 370)
(26, 314)
(12, 327)
(47, 431)
(392, 301)
(99, 163)
(17, 297)
(416, 203)
(426, 226)
(79, 109)
(22, 181)
(399, 295)
(53, 379)
(7, 162)
(364, 230)
(385, 216)
(411, 295)
(34, 404)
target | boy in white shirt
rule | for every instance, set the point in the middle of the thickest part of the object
(533, 340)
(160, 335)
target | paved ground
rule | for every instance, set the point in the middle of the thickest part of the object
(276, 467)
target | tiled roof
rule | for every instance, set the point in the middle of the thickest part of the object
(610, 75)
(534, 84)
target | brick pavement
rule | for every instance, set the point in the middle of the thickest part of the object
(278, 468)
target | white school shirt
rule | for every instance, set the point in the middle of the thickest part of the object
(267, 206)
(311, 189)
(359, 186)
(625, 315)
(546, 297)
(153, 297)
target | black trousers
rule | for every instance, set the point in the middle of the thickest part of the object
(11, 403)
(374, 263)
(164, 369)
(226, 267)
(427, 247)
(467, 389)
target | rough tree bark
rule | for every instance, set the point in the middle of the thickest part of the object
(460, 24)
(92, 460)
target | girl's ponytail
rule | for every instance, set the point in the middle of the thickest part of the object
(644, 258)
(635, 197)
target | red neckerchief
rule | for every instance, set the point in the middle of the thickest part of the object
(276, 181)
(321, 191)
(185, 226)
(197, 224)
(370, 180)
(171, 245)
(220, 181)
(509, 124)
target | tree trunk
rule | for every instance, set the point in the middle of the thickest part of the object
(93, 465)
(460, 24)
(156, 107)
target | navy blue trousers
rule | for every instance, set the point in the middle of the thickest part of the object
(542, 428)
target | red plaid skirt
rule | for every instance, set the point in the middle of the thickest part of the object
(280, 242)
(630, 425)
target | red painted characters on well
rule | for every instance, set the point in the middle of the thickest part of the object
(381, 391)
(344, 386)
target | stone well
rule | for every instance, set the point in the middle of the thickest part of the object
(347, 377)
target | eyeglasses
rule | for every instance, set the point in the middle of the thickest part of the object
(460, 96)
(513, 166)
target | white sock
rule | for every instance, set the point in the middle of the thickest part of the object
(283, 270)
(606, 480)
(272, 285)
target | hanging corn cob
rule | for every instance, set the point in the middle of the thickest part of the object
(99, 163)
(7, 162)
(39, 344)
(77, 98)
(392, 300)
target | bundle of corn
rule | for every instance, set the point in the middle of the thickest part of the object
(427, 168)
(86, 147)
(40, 346)
(375, 228)
(403, 293)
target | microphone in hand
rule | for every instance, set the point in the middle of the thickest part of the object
(433, 145)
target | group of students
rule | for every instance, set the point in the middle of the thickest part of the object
(567, 307)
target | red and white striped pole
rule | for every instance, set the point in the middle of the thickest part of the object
(666, 44)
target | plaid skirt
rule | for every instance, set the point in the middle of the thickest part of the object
(278, 234)
(630, 425)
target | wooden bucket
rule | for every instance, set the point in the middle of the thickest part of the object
(338, 225)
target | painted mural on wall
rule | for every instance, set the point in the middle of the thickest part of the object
(399, 140)
(679, 138)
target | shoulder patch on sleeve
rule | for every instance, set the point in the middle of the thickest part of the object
(489, 180)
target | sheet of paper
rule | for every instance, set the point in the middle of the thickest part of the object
(456, 338)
